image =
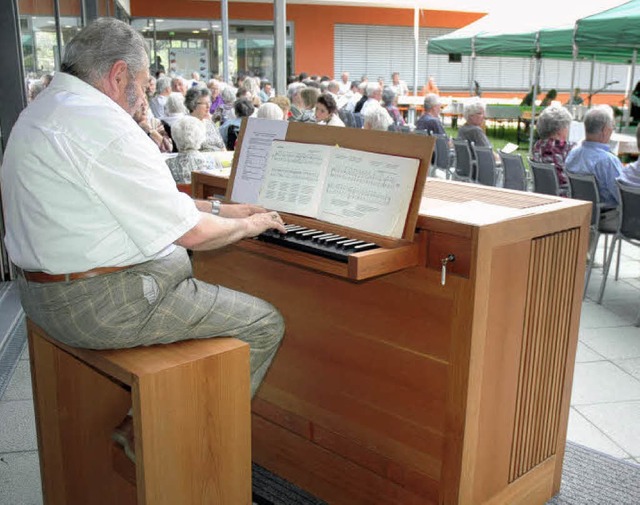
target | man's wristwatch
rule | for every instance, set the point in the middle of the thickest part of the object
(215, 207)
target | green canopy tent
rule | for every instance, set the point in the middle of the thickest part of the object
(612, 34)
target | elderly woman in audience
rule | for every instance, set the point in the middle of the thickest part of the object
(217, 102)
(377, 118)
(389, 97)
(189, 133)
(228, 95)
(309, 97)
(229, 130)
(294, 94)
(174, 111)
(153, 127)
(270, 110)
(472, 131)
(327, 110)
(198, 102)
(552, 147)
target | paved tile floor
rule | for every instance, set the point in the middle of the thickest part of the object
(605, 405)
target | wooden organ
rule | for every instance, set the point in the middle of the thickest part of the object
(404, 381)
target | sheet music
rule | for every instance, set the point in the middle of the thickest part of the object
(294, 174)
(368, 191)
(258, 136)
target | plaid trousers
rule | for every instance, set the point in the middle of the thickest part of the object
(157, 302)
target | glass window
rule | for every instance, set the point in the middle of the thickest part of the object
(183, 46)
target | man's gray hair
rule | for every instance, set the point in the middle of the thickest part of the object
(472, 108)
(270, 110)
(552, 120)
(596, 119)
(377, 118)
(228, 95)
(294, 89)
(371, 88)
(334, 87)
(431, 100)
(189, 133)
(91, 54)
(163, 84)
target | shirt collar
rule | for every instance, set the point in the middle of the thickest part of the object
(596, 145)
(63, 82)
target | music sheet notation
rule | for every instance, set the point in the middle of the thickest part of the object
(258, 136)
(358, 189)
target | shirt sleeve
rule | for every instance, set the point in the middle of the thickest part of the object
(132, 180)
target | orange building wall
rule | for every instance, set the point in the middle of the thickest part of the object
(313, 24)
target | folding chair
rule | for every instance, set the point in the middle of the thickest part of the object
(628, 230)
(515, 173)
(487, 169)
(442, 157)
(584, 187)
(465, 165)
(545, 178)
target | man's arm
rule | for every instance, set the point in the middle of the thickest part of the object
(213, 232)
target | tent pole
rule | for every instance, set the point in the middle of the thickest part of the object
(416, 40)
(224, 23)
(574, 51)
(280, 46)
(473, 65)
(593, 67)
(630, 86)
(536, 86)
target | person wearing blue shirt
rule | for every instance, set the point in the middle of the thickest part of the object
(594, 157)
(430, 120)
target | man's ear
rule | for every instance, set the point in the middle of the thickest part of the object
(116, 79)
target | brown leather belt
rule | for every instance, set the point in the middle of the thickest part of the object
(45, 277)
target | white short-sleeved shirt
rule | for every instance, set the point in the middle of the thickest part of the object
(84, 187)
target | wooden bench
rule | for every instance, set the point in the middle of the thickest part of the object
(191, 412)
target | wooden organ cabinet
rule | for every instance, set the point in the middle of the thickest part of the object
(398, 389)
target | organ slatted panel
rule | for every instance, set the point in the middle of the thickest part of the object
(544, 350)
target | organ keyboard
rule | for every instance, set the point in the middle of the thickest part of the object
(314, 241)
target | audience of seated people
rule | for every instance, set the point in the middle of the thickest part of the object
(594, 157)
(471, 131)
(430, 120)
(327, 111)
(189, 134)
(552, 146)
(198, 103)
